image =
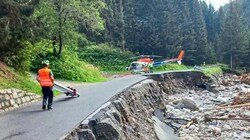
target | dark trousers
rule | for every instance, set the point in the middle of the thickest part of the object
(150, 70)
(47, 96)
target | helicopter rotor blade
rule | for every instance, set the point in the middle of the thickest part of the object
(145, 56)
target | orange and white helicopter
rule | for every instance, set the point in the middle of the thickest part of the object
(141, 65)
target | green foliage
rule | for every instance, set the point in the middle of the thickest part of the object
(159, 27)
(21, 60)
(9, 78)
(68, 66)
(239, 71)
(65, 21)
(46, 16)
(224, 67)
(15, 27)
(145, 26)
(23, 83)
(234, 36)
(212, 71)
(246, 10)
(20, 81)
(171, 66)
(105, 57)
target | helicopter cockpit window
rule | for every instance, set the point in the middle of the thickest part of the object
(134, 65)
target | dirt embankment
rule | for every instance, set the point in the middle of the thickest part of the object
(6, 73)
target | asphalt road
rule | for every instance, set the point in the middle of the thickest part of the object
(32, 123)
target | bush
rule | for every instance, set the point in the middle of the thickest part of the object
(212, 71)
(68, 66)
(21, 60)
(105, 57)
(225, 68)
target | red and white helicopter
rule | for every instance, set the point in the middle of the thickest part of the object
(140, 66)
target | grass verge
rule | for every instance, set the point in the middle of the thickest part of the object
(212, 71)
(172, 66)
(11, 79)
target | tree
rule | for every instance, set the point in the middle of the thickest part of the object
(66, 20)
(166, 27)
(246, 54)
(204, 52)
(219, 25)
(209, 16)
(246, 11)
(114, 23)
(233, 37)
(15, 25)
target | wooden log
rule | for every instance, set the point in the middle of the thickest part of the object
(207, 119)
(232, 106)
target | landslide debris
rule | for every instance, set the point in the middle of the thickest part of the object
(245, 78)
(181, 105)
(223, 112)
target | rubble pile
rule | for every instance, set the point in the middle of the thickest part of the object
(245, 78)
(221, 113)
(241, 99)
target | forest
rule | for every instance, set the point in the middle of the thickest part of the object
(83, 37)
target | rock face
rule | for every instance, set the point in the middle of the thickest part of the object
(129, 115)
(13, 98)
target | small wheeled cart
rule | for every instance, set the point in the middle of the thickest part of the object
(69, 91)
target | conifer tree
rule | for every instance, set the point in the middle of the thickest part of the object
(203, 51)
(233, 38)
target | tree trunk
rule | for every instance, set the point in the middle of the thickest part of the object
(60, 34)
(122, 19)
(231, 59)
(54, 45)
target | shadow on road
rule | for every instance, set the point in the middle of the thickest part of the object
(34, 111)
(65, 99)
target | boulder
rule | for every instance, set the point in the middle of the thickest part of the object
(246, 114)
(188, 103)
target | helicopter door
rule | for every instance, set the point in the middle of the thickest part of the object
(141, 67)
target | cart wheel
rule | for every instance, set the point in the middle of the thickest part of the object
(67, 94)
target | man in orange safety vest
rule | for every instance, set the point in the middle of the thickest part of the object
(46, 80)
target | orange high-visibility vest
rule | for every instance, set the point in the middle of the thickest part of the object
(45, 79)
(145, 69)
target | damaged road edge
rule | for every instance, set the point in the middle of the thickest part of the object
(129, 114)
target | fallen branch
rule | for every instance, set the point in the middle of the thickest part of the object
(192, 121)
(207, 119)
(232, 106)
(187, 125)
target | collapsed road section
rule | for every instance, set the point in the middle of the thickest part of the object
(177, 105)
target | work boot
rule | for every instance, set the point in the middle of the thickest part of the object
(44, 107)
(49, 107)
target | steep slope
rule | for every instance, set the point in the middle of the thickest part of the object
(11, 79)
